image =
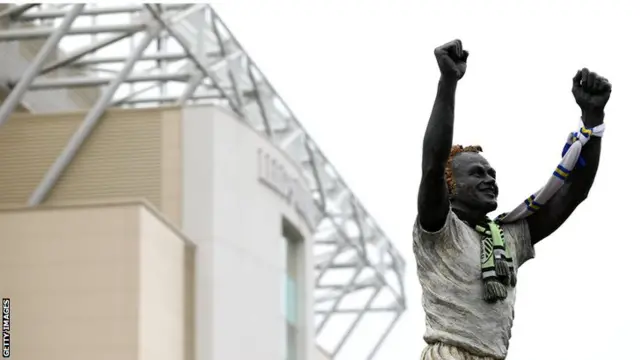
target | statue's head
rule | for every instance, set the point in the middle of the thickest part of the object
(471, 180)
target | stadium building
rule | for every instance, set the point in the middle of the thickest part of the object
(160, 201)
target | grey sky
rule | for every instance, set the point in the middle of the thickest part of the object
(361, 77)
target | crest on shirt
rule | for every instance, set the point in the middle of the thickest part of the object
(487, 251)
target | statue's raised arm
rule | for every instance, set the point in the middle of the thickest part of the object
(433, 196)
(591, 92)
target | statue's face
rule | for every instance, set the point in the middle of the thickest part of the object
(476, 187)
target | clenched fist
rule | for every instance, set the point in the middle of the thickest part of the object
(591, 90)
(452, 59)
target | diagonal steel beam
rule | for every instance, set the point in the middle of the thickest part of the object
(232, 76)
(199, 64)
(260, 102)
(90, 122)
(358, 221)
(390, 327)
(345, 291)
(363, 284)
(197, 78)
(388, 309)
(316, 174)
(86, 50)
(132, 97)
(80, 53)
(355, 322)
(290, 138)
(17, 10)
(324, 267)
(27, 77)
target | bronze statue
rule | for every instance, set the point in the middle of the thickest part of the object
(467, 262)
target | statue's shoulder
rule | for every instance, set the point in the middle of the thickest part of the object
(516, 229)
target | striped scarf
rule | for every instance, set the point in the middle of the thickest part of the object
(498, 270)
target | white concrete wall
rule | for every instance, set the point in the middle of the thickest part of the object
(236, 220)
(197, 219)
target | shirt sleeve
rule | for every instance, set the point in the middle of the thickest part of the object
(519, 231)
(420, 235)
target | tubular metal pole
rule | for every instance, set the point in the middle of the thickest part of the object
(357, 220)
(168, 98)
(373, 352)
(128, 98)
(77, 54)
(166, 56)
(89, 123)
(340, 232)
(290, 138)
(105, 10)
(78, 81)
(50, 45)
(322, 202)
(185, 45)
(36, 33)
(389, 309)
(193, 84)
(232, 75)
(355, 323)
(261, 107)
(353, 288)
(345, 290)
(18, 10)
(197, 78)
(340, 249)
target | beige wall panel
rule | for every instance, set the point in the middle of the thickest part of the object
(28, 146)
(130, 154)
(164, 283)
(72, 276)
(171, 168)
(109, 281)
(121, 158)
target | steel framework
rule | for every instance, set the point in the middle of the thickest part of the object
(195, 59)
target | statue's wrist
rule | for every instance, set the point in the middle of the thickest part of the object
(592, 117)
(449, 79)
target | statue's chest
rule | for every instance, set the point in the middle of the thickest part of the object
(462, 253)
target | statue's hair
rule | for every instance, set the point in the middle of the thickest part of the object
(448, 172)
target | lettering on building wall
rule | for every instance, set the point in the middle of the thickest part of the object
(274, 175)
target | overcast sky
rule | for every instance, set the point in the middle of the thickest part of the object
(362, 72)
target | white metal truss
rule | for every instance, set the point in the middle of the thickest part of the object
(153, 55)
